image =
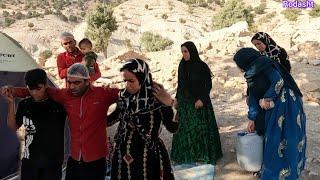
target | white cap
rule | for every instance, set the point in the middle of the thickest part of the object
(78, 70)
(66, 34)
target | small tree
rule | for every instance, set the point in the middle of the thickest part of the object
(232, 12)
(101, 24)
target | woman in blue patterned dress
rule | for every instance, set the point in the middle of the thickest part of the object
(272, 88)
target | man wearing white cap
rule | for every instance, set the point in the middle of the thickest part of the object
(86, 107)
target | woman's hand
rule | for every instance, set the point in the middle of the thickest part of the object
(198, 104)
(251, 126)
(162, 95)
(266, 104)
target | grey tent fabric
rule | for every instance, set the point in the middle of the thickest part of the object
(9, 152)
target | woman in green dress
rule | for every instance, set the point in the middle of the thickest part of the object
(197, 139)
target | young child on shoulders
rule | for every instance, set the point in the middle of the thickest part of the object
(90, 57)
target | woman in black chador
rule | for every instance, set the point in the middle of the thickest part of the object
(198, 139)
(139, 152)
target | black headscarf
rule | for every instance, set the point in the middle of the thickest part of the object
(187, 72)
(273, 50)
(194, 55)
(254, 63)
(143, 100)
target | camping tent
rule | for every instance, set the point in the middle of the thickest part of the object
(14, 63)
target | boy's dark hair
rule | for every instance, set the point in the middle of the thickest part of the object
(35, 77)
(85, 41)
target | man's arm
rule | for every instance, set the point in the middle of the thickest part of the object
(62, 67)
(56, 94)
(111, 94)
(20, 92)
(11, 119)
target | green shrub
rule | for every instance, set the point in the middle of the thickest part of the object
(218, 2)
(33, 14)
(260, 9)
(59, 4)
(30, 25)
(187, 36)
(154, 42)
(29, 14)
(204, 4)
(164, 16)
(291, 14)
(315, 12)
(3, 6)
(190, 9)
(5, 14)
(47, 12)
(63, 17)
(73, 18)
(249, 8)
(127, 43)
(182, 21)
(57, 12)
(232, 12)
(19, 15)
(197, 2)
(45, 54)
(46, 3)
(83, 14)
(80, 3)
(8, 21)
(266, 18)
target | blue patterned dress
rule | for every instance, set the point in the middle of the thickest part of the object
(285, 134)
(285, 123)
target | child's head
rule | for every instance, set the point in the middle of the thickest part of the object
(85, 45)
(36, 81)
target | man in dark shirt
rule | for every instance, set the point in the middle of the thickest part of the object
(44, 120)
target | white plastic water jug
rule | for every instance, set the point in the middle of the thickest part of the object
(249, 151)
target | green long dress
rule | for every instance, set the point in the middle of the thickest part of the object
(197, 139)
